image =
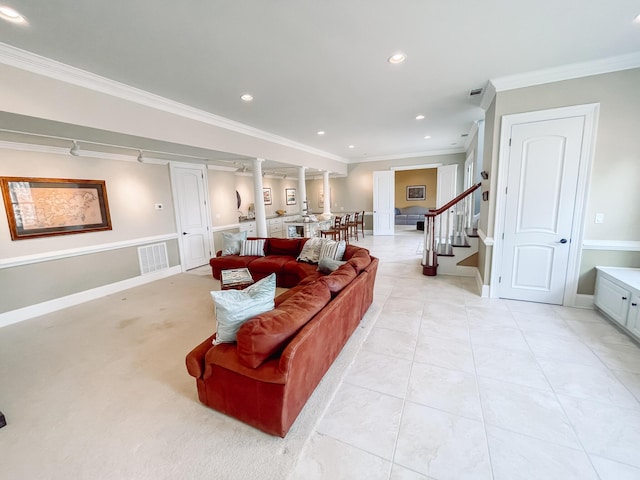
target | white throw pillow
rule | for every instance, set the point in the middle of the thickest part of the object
(311, 250)
(234, 307)
(231, 242)
(332, 249)
(252, 248)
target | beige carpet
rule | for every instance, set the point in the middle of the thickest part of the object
(100, 391)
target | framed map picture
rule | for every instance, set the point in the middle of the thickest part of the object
(40, 207)
(290, 194)
(266, 195)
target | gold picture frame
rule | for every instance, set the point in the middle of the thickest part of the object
(42, 207)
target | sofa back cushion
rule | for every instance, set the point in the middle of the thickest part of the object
(267, 334)
(413, 210)
(339, 279)
(283, 246)
(359, 258)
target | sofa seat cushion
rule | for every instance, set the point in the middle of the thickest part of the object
(300, 270)
(229, 261)
(267, 334)
(270, 264)
(225, 355)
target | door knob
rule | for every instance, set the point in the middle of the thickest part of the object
(185, 233)
(563, 240)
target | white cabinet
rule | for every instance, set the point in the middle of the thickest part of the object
(249, 227)
(276, 227)
(618, 296)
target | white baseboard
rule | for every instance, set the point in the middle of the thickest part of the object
(483, 290)
(585, 301)
(15, 316)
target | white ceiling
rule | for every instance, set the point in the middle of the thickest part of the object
(322, 65)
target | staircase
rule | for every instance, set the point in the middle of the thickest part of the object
(450, 242)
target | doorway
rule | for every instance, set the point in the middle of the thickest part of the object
(544, 166)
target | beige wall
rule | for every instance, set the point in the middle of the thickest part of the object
(427, 177)
(616, 167)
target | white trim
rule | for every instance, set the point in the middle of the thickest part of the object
(483, 290)
(223, 228)
(74, 252)
(470, 134)
(584, 301)
(488, 95)
(47, 67)
(488, 241)
(416, 167)
(567, 72)
(590, 112)
(15, 316)
(612, 245)
(407, 155)
(222, 168)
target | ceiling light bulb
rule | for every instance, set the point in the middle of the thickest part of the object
(427, 137)
(352, 146)
(75, 149)
(419, 117)
(321, 132)
(11, 15)
(247, 97)
(397, 58)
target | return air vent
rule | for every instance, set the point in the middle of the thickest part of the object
(153, 258)
(475, 91)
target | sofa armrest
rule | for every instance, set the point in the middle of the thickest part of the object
(195, 358)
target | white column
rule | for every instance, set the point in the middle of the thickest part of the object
(261, 216)
(326, 211)
(302, 189)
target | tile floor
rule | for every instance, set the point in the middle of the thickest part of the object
(449, 385)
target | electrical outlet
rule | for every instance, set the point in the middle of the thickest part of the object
(599, 218)
(158, 206)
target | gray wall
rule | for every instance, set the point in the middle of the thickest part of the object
(616, 168)
(132, 191)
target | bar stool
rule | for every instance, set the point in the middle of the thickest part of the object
(353, 226)
(344, 228)
(334, 231)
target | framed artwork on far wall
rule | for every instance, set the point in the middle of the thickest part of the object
(416, 192)
(41, 207)
(290, 195)
(266, 195)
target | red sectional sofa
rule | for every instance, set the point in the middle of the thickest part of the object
(280, 356)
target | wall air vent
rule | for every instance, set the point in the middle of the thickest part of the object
(153, 258)
(475, 91)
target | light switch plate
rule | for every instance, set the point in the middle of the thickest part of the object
(599, 218)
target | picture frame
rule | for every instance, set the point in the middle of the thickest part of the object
(42, 207)
(290, 195)
(416, 193)
(266, 195)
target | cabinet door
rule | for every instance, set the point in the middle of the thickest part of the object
(633, 317)
(612, 299)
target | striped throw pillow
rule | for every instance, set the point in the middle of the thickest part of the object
(252, 248)
(332, 249)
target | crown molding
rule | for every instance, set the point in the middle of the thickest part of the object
(409, 155)
(567, 72)
(47, 67)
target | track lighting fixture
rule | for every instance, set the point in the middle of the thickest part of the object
(75, 149)
(140, 159)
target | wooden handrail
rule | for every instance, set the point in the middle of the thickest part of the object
(446, 206)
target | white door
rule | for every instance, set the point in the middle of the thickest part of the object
(542, 180)
(191, 209)
(384, 192)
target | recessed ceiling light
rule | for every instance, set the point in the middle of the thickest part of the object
(11, 15)
(397, 58)
(419, 117)
(352, 146)
(247, 97)
(427, 137)
(321, 132)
